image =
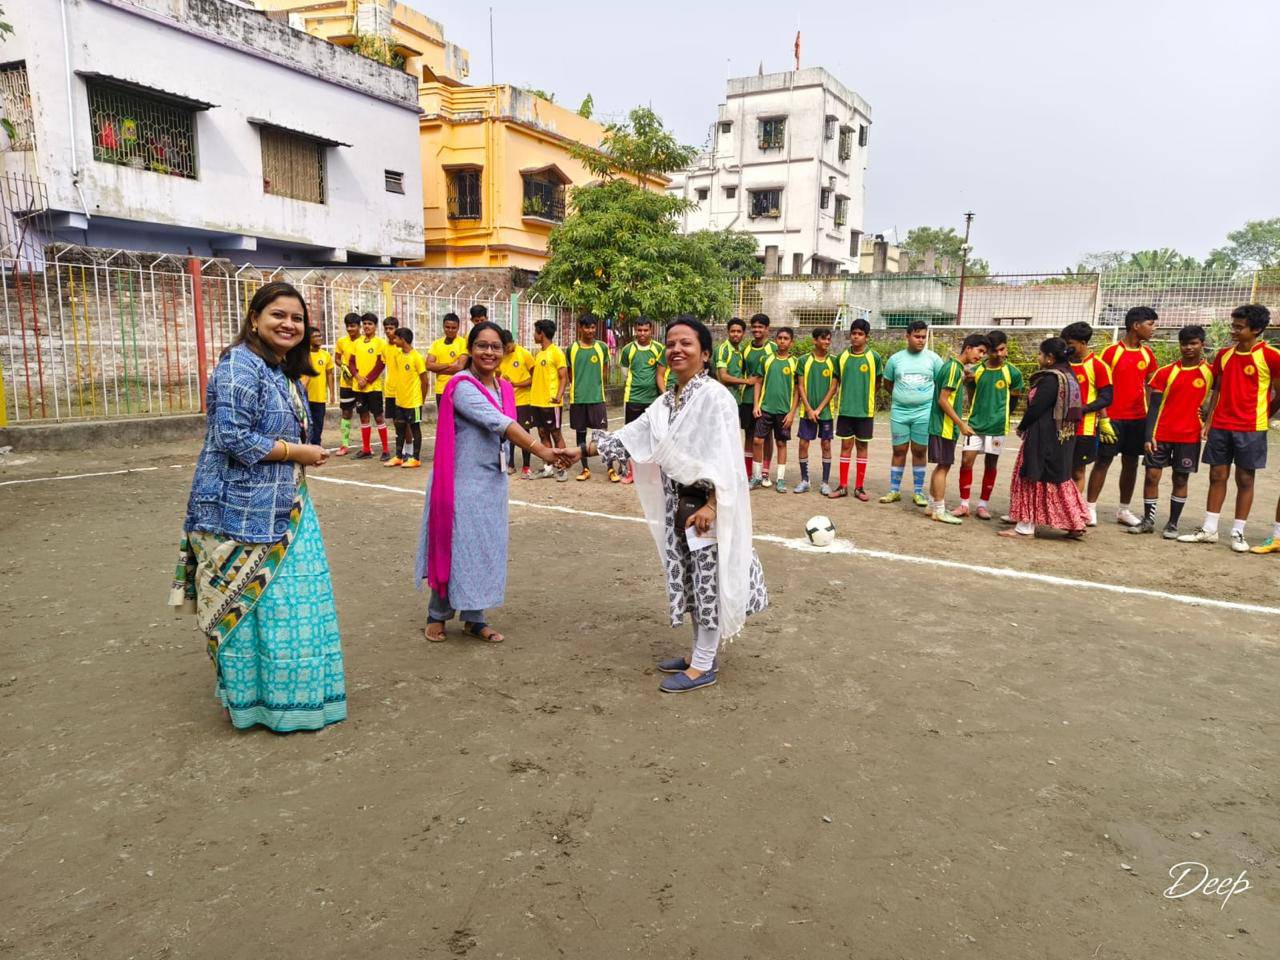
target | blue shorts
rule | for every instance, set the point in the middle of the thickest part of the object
(914, 427)
(819, 430)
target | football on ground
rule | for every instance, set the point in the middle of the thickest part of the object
(820, 531)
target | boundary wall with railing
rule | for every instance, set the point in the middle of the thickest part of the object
(95, 334)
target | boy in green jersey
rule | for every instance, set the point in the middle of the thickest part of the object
(775, 405)
(947, 422)
(997, 384)
(588, 368)
(818, 379)
(754, 355)
(645, 363)
(860, 372)
(730, 369)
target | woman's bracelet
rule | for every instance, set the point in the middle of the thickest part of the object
(286, 450)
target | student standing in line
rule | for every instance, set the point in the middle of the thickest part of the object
(317, 386)
(1093, 377)
(817, 381)
(446, 355)
(588, 373)
(861, 377)
(1179, 391)
(411, 386)
(366, 363)
(730, 370)
(1132, 363)
(479, 313)
(997, 384)
(776, 401)
(346, 382)
(517, 369)
(391, 378)
(910, 372)
(1235, 431)
(645, 360)
(754, 354)
(546, 393)
(947, 421)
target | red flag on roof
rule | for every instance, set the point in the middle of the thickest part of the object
(797, 49)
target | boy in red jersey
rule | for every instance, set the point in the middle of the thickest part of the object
(1094, 378)
(1179, 392)
(1242, 402)
(1132, 364)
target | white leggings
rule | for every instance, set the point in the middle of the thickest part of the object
(705, 644)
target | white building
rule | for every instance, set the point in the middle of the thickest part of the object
(203, 127)
(787, 163)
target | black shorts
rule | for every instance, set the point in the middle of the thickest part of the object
(389, 408)
(942, 451)
(1183, 457)
(370, 402)
(815, 430)
(346, 398)
(546, 418)
(633, 411)
(588, 416)
(1247, 449)
(1131, 440)
(1086, 451)
(772, 423)
(406, 414)
(857, 428)
(747, 418)
(524, 416)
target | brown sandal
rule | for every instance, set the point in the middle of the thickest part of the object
(433, 637)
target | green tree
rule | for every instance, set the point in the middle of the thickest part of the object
(588, 105)
(735, 251)
(619, 252)
(6, 29)
(945, 242)
(1255, 246)
(538, 92)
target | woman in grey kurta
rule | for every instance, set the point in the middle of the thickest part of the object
(470, 576)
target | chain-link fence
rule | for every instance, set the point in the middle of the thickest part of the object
(97, 333)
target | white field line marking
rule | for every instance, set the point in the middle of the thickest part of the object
(844, 547)
(79, 476)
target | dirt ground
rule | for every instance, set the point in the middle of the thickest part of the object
(901, 760)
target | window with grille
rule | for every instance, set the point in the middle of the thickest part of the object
(730, 192)
(846, 143)
(543, 198)
(842, 211)
(766, 203)
(135, 129)
(292, 165)
(773, 131)
(464, 194)
(394, 181)
(829, 128)
(702, 193)
(862, 134)
(726, 126)
(824, 198)
(15, 101)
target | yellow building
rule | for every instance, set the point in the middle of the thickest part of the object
(383, 29)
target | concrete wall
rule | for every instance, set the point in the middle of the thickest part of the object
(806, 163)
(249, 66)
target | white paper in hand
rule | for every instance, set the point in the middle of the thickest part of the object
(698, 541)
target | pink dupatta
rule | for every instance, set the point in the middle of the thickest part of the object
(440, 512)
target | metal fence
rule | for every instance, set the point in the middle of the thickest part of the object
(95, 333)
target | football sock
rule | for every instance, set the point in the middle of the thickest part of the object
(844, 471)
(966, 482)
(755, 471)
(1237, 526)
(988, 483)
(747, 459)
(804, 471)
(861, 476)
(416, 430)
(1175, 509)
(366, 436)
(382, 437)
(344, 431)
(917, 478)
(782, 472)
(826, 471)
(400, 438)
(1210, 523)
(1149, 510)
(895, 479)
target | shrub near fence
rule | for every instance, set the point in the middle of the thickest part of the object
(98, 334)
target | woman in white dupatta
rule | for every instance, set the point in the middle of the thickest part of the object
(688, 475)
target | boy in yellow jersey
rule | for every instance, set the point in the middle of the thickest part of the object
(588, 371)
(546, 393)
(817, 380)
(754, 354)
(410, 379)
(318, 386)
(645, 363)
(1094, 378)
(447, 355)
(517, 368)
(861, 376)
(947, 420)
(366, 361)
(730, 371)
(389, 327)
(346, 382)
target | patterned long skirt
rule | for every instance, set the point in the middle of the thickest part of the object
(1057, 505)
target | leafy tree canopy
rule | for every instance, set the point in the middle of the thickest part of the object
(1255, 246)
(945, 242)
(587, 106)
(736, 251)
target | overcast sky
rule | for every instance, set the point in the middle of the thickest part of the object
(1067, 127)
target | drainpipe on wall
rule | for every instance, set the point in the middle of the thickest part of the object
(71, 113)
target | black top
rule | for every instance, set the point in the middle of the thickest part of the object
(1045, 457)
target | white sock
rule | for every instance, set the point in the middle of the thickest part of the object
(1210, 523)
(755, 470)
(1275, 530)
(1125, 506)
(782, 472)
(982, 504)
(1237, 526)
(1026, 528)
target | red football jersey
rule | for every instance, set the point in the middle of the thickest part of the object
(1183, 391)
(1092, 375)
(1244, 386)
(1131, 368)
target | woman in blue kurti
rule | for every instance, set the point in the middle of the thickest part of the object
(252, 566)
(462, 550)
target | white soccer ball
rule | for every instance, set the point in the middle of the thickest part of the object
(820, 531)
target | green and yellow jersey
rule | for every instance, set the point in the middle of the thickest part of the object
(950, 376)
(729, 357)
(778, 384)
(859, 373)
(993, 389)
(817, 376)
(641, 364)
(587, 365)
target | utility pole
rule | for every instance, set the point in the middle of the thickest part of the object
(492, 72)
(964, 264)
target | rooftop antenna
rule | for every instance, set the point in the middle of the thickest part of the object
(492, 81)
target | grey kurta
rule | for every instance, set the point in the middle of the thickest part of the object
(478, 573)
